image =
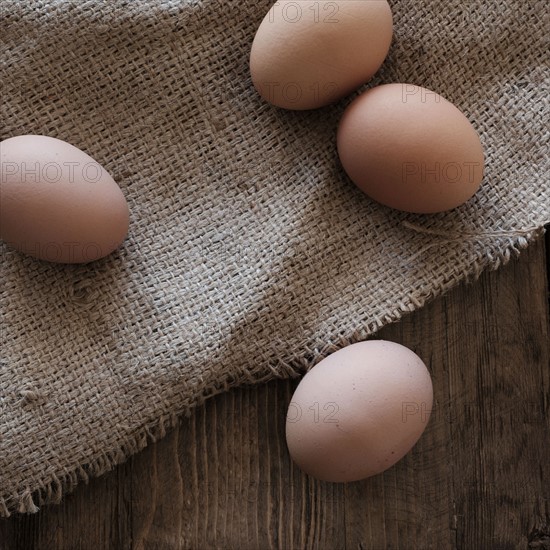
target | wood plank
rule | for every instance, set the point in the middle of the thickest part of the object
(478, 478)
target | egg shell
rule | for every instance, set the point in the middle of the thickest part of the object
(359, 411)
(57, 203)
(409, 148)
(309, 54)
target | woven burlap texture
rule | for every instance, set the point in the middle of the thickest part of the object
(250, 254)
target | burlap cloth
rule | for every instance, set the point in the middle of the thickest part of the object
(250, 254)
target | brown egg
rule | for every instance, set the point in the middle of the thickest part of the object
(57, 203)
(311, 53)
(359, 411)
(410, 149)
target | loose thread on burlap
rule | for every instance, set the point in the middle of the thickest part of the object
(472, 237)
(460, 236)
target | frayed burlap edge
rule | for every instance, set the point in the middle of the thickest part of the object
(28, 501)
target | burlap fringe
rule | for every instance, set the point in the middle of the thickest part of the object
(53, 492)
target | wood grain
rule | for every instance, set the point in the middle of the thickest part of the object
(478, 479)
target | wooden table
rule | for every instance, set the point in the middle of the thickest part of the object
(478, 479)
